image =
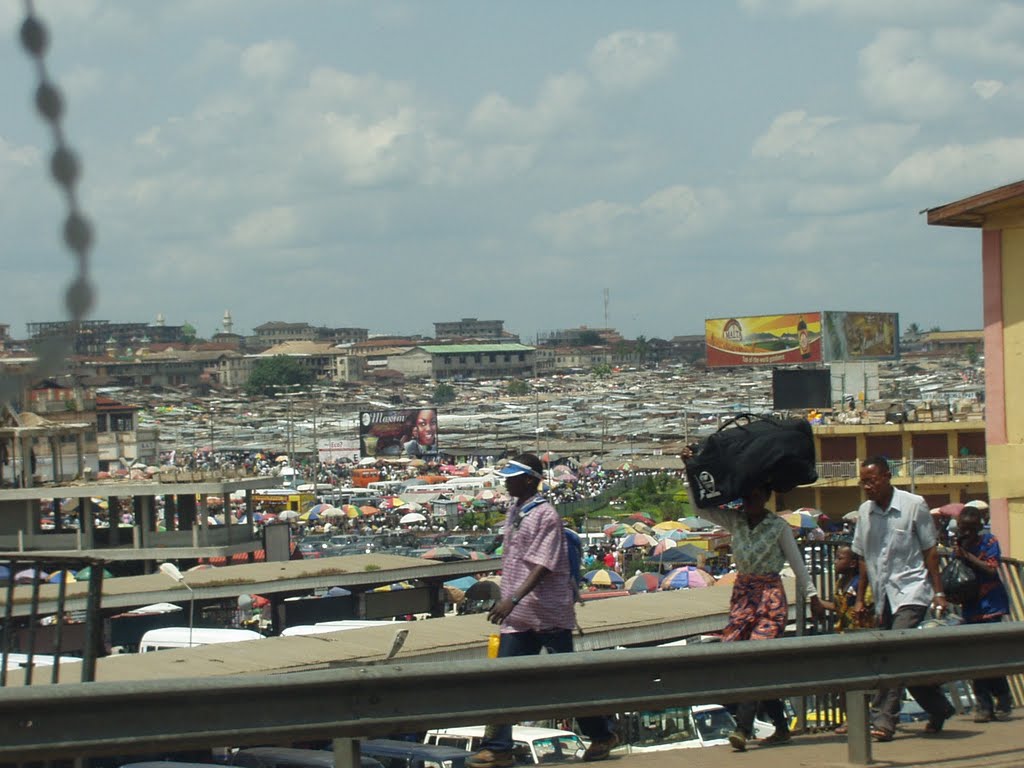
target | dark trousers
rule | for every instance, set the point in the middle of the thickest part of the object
(498, 738)
(887, 701)
(992, 693)
(747, 711)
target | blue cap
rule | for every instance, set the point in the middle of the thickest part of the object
(515, 468)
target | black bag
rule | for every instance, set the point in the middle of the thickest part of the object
(959, 582)
(748, 451)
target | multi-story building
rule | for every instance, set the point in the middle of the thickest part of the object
(450, 361)
(942, 461)
(120, 441)
(581, 335)
(277, 332)
(326, 362)
(470, 328)
(95, 336)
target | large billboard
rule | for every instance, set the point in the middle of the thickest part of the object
(861, 335)
(409, 432)
(764, 339)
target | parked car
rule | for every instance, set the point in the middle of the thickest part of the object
(283, 757)
(532, 746)
(392, 753)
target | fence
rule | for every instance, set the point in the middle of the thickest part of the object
(943, 465)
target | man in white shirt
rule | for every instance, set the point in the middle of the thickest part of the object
(895, 538)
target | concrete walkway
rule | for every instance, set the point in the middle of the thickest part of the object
(962, 744)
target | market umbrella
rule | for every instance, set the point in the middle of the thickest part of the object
(977, 504)
(350, 510)
(447, 554)
(282, 459)
(951, 510)
(800, 519)
(644, 528)
(5, 574)
(368, 511)
(411, 506)
(604, 578)
(638, 540)
(669, 525)
(643, 582)
(664, 545)
(727, 579)
(398, 585)
(84, 573)
(412, 517)
(851, 517)
(463, 582)
(332, 513)
(619, 529)
(687, 577)
(318, 509)
(68, 577)
(674, 535)
(310, 516)
(678, 555)
(486, 495)
(696, 524)
(29, 575)
(641, 518)
(391, 502)
(288, 516)
(338, 592)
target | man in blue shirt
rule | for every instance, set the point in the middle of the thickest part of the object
(895, 539)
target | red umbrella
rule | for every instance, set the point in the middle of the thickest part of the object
(641, 518)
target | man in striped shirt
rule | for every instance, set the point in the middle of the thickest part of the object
(537, 605)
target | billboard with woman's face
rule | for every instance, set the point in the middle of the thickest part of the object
(408, 432)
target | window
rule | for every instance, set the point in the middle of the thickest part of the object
(522, 357)
(101, 422)
(492, 358)
(462, 359)
(120, 422)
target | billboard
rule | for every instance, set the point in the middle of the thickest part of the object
(764, 339)
(410, 432)
(861, 335)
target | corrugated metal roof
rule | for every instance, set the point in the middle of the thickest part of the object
(472, 349)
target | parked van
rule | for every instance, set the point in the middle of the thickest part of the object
(323, 627)
(178, 637)
(706, 725)
(531, 746)
(285, 757)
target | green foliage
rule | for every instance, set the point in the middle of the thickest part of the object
(660, 497)
(188, 333)
(277, 371)
(443, 394)
(518, 387)
(371, 567)
(972, 354)
(602, 370)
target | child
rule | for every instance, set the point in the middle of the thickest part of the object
(847, 567)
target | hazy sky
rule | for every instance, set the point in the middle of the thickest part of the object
(389, 164)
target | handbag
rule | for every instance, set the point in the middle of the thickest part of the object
(959, 582)
(748, 451)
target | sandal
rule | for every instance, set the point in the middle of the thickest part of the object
(880, 734)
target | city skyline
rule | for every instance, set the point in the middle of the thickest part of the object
(371, 164)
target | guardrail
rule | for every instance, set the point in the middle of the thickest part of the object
(943, 465)
(135, 717)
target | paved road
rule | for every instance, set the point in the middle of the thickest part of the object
(963, 744)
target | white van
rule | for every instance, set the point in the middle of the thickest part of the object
(705, 725)
(178, 637)
(532, 746)
(323, 627)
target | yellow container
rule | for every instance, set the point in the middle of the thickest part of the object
(493, 642)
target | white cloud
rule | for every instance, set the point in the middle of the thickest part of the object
(961, 166)
(899, 76)
(264, 229)
(986, 89)
(269, 60)
(629, 58)
(829, 145)
(559, 102)
(676, 213)
(910, 11)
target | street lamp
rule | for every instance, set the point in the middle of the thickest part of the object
(171, 571)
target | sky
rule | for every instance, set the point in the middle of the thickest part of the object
(389, 164)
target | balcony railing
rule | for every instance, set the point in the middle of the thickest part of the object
(903, 468)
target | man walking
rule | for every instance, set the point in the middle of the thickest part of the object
(895, 538)
(538, 598)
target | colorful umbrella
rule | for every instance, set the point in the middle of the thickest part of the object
(350, 510)
(288, 516)
(486, 495)
(800, 519)
(696, 524)
(68, 577)
(951, 510)
(368, 511)
(641, 518)
(84, 573)
(674, 535)
(317, 509)
(619, 529)
(638, 540)
(687, 577)
(391, 502)
(679, 555)
(643, 582)
(670, 525)
(332, 513)
(393, 587)
(604, 578)
(447, 554)
(663, 545)
(463, 583)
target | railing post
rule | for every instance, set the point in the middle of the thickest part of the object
(858, 724)
(346, 753)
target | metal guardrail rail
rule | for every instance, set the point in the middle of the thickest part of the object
(136, 717)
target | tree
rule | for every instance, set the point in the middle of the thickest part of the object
(517, 388)
(278, 371)
(188, 333)
(443, 394)
(602, 370)
(972, 354)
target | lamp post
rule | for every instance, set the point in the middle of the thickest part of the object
(171, 571)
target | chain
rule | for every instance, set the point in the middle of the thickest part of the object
(77, 232)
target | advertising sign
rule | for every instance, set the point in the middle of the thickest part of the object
(861, 335)
(764, 339)
(409, 432)
(335, 450)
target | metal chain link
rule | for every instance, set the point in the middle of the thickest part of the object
(77, 231)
